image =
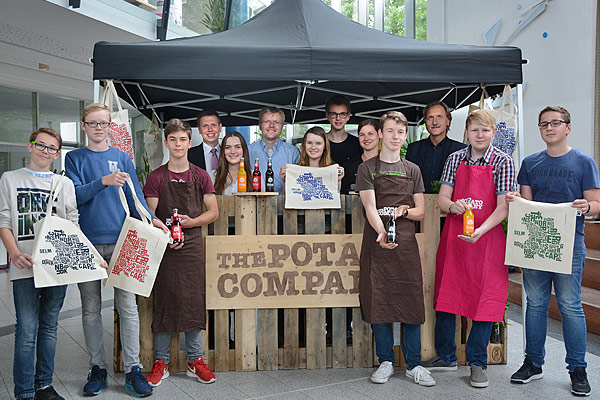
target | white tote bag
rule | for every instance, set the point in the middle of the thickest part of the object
(153, 145)
(62, 253)
(139, 250)
(312, 187)
(506, 125)
(540, 235)
(119, 132)
(506, 122)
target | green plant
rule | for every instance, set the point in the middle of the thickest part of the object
(414, 134)
(143, 172)
(214, 16)
(436, 186)
(505, 226)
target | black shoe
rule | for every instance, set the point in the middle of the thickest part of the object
(579, 382)
(527, 373)
(50, 394)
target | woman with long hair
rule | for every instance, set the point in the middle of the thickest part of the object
(233, 148)
(315, 151)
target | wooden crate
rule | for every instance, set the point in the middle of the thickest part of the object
(271, 339)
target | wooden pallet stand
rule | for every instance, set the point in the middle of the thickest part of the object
(316, 336)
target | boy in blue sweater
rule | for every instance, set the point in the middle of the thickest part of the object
(97, 172)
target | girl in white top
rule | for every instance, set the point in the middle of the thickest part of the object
(233, 148)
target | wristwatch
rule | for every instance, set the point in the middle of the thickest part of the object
(404, 214)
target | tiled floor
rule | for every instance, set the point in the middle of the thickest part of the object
(347, 384)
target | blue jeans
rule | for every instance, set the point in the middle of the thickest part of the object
(410, 342)
(479, 337)
(37, 318)
(567, 288)
(193, 346)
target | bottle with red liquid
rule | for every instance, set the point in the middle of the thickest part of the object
(256, 177)
(176, 227)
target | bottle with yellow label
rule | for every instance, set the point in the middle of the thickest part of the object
(468, 221)
(241, 178)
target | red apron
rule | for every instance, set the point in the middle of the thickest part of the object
(390, 280)
(470, 278)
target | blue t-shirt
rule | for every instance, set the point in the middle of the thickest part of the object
(561, 180)
(101, 213)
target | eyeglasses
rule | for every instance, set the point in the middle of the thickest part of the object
(274, 123)
(334, 115)
(555, 123)
(41, 147)
(93, 124)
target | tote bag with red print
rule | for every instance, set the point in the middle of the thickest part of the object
(119, 133)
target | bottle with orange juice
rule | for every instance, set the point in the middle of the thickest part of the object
(241, 178)
(468, 221)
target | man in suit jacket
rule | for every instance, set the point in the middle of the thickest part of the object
(206, 155)
(431, 153)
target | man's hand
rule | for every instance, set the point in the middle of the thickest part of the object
(186, 221)
(282, 172)
(581, 205)
(510, 196)
(382, 240)
(474, 236)
(22, 260)
(400, 210)
(458, 207)
(104, 265)
(177, 246)
(115, 179)
(160, 225)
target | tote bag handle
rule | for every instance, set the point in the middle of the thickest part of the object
(144, 214)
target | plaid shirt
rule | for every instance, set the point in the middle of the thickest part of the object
(504, 168)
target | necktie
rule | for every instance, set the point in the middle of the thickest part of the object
(214, 160)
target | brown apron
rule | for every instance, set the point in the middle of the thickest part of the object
(180, 290)
(391, 282)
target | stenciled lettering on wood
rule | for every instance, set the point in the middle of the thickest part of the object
(271, 271)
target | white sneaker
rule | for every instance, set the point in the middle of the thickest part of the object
(383, 373)
(421, 376)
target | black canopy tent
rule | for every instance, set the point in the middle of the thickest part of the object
(294, 55)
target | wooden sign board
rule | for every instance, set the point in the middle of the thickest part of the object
(282, 271)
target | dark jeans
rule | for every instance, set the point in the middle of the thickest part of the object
(445, 326)
(37, 319)
(410, 342)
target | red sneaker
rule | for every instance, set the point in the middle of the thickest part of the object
(200, 371)
(160, 371)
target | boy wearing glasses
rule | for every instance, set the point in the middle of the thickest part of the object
(271, 121)
(559, 174)
(97, 172)
(343, 147)
(23, 195)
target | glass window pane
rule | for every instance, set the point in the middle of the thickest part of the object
(17, 117)
(62, 115)
(394, 17)
(421, 19)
